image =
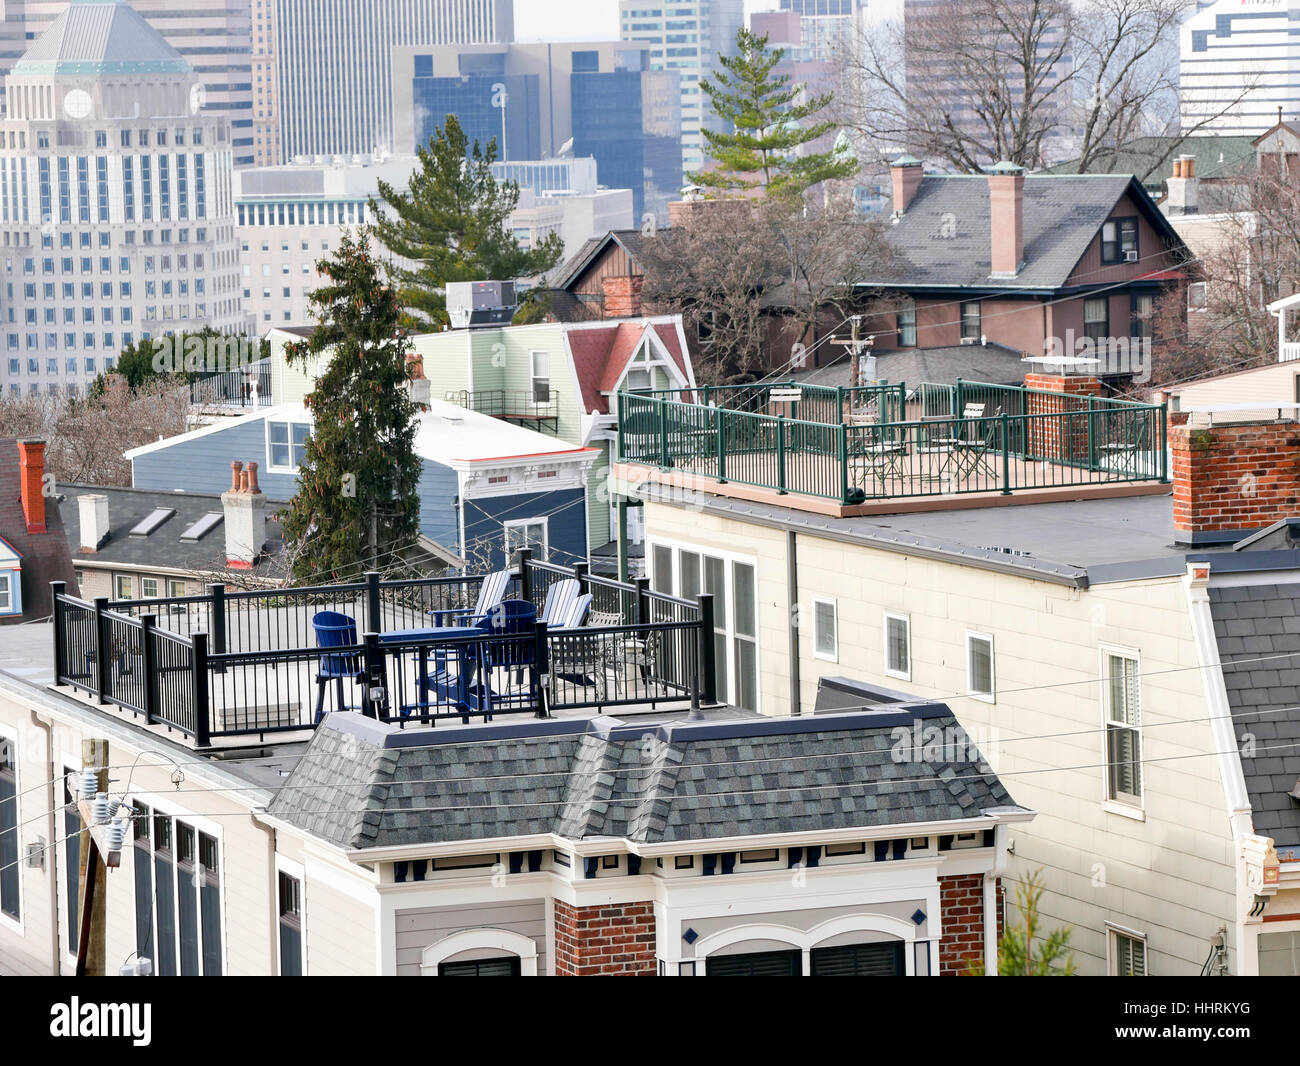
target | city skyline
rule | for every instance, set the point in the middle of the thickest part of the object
(583, 20)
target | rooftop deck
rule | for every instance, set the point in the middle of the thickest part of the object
(848, 450)
(232, 668)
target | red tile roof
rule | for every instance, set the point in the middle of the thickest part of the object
(601, 353)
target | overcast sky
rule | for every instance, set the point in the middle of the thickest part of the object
(581, 20)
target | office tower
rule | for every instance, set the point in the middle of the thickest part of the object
(290, 217)
(826, 26)
(1240, 62)
(686, 39)
(331, 61)
(213, 36)
(534, 99)
(116, 217)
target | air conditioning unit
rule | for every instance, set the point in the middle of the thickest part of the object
(1130, 257)
(970, 340)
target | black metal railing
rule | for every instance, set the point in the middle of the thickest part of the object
(238, 664)
(243, 387)
(528, 406)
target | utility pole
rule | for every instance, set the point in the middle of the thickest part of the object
(92, 873)
(856, 345)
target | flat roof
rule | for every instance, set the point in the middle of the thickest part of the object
(1077, 542)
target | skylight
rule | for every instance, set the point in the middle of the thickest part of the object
(203, 526)
(152, 521)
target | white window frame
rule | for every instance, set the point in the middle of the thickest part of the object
(1124, 807)
(118, 579)
(9, 736)
(906, 619)
(1204, 290)
(7, 588)
(298, 872)
(832, 656)
(723, 607)
(991, 696)
(145, 594)
(518, 523)
(1113, 933)
(535, 378)
(271, 466)
(172, 582)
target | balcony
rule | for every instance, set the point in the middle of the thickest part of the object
(846, 451)
(246, 388)
(231, 668)
(534, 409)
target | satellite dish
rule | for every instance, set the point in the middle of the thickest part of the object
(565, 150)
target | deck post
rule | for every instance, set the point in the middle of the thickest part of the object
(374, 610)
(525, 559)
(663, 435)
(149, 667)
(199, 685)
(1006, 456)
(1164, 443)
(582, 571)
(708, 667)
(217, 619)
(103, 653)
(842, 446)
(541, 670)
(60, 645)
(720, 442)
(642, 601)
(780, 455)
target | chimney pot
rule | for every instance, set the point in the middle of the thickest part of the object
(235, 469)
(251, 471)
(31, 465)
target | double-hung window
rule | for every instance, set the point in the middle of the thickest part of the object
(979, 666)
(898, 646)
(971, 327)
(178, 895)
(10, 868)
(289, 920)
(286, 444)
(1096, 317)
(1119, 240)
(539, 367)
(1123, 718)
(907, 325)
(529, 533)
(826, 643)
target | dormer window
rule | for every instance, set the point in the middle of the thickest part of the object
(1119, 240)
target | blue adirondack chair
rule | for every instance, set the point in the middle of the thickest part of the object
(512, 653)
(491, 592)
(335, 630)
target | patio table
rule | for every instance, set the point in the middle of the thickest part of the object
(466, 661)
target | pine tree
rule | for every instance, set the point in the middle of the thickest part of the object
(451, 225)
(769, 120)
(1017, 955)
(356, 502)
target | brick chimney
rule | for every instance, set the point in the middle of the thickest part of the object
(622, 296)
(906, 173)
(1183, 187)
(92, 510)
(31, 466)
(1007, 219)
(1061, 440)
(244, 505)
(1234, 478)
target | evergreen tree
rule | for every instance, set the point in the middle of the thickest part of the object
(767, 123)
(451, 225)
(356, 501)
(1017, 954)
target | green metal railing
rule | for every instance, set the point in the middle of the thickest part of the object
(1019, 439)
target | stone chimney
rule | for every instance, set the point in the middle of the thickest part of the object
(92, 510)
(622, 296)
(1183, 187)
(244, 505)
(906, 172)
(1007, 219)
(1233, 478)
(31, 465)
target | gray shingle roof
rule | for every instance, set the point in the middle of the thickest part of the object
(1251, 622)
(944, 238)
(993, 363)
(364, 785)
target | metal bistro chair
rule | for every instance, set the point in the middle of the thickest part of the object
(335, 630)
(1125, 457)
(491, 592)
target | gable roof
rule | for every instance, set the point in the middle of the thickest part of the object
(993, 363)
(1257, 629)
(944, 239)
(601, 352)
(1217, 157)
(628, 239)
(732, 775)
(101, 37)
(45, 556)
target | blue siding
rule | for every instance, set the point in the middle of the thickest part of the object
(202, 464)
(438, 487)
(565, 511)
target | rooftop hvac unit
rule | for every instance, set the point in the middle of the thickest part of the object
(475, 304)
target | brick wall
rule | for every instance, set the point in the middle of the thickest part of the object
(1064, 438)
(961, 903)
(1235, 477)
(622, 296)
(616, 939)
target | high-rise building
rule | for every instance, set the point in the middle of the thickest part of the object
(331, 64)
(116, 214)
(825, 26)
(533, 99)
(213, 36)
(1240, 62)
(289, 218)
(685, 37)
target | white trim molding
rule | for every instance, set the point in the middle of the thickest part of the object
(481, 939)
(899, 928)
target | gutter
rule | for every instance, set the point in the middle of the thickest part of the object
(792, 598)
(53, 852)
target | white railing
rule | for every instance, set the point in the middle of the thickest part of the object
(1289, 350)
